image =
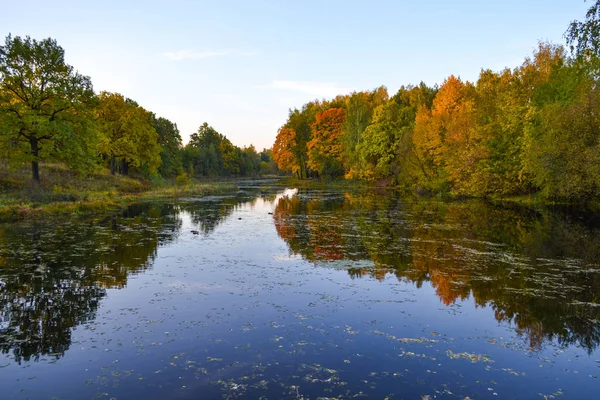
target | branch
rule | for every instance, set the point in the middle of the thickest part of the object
(57, 111)
(14, 91)
(16, 112)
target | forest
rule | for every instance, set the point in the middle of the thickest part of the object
(50, 113)
(534, 129)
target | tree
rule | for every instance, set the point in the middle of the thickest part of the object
(230, 159)
(249, 161)
(170, 141)
(127, 134)
(378, 149)
(206, 151)
(44, 106)
(300, 121)
(562, 135)
(325, 152)
(283, 151)
(359, 112)
(583, 38)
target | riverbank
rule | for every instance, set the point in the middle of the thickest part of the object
(529, 200)
(63, 192)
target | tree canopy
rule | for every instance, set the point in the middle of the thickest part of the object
(533, 129)
(45, 106)
(49, 112)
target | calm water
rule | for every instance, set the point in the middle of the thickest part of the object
(303, 294)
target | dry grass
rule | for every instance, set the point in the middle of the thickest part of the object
(63, 191)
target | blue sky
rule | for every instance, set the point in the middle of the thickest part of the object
(240, 65)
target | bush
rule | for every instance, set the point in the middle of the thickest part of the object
(182, 179)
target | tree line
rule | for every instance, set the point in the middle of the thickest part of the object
(50, 112)
(531, 129)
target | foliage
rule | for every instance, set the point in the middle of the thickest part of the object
(127, 134)
(44, 107)
(170, 141)
(583, 38)
(283, 151)
(325, 154)
(532, 130)
(211, 154)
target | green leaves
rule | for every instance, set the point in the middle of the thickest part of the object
(127, 134)
(583, 38)
(45, 106)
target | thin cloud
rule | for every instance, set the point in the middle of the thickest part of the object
(198, 55)
(320, 89)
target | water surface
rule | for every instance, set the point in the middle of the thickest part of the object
(302, 294)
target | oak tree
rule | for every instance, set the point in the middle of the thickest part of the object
(45, 106)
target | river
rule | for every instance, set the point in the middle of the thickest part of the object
(279, 293)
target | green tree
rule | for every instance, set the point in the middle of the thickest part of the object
(583, 38)
(204, 153)
(249, 161)
(127, 134)
(45, 106)
(170, 141)
(359, 112)
(562, 136)
(378, 149)
(230, 159)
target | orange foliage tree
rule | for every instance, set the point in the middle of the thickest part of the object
(283, 150)
(446, 138)
(325, 150)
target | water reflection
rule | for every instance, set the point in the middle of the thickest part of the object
(55, 274)
(537, 269)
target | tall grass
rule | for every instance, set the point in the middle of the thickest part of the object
(63, 191)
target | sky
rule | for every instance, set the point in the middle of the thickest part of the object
(241, 65)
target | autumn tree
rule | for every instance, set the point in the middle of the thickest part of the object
(300, 121)
(283, 151)
(127, 134)
(443, 136)
(44, 106)
(325, 152)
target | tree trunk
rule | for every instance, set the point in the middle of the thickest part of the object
(35, 166)
(112, 165)
(124, 167)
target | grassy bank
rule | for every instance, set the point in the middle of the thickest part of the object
(530, 200)
(292, 181)
(62, 191)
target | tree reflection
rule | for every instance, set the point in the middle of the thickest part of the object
(209, 212)
(536, 269)
(56, 274)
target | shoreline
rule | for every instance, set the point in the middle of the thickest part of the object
(96, 203)
(17, 207)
